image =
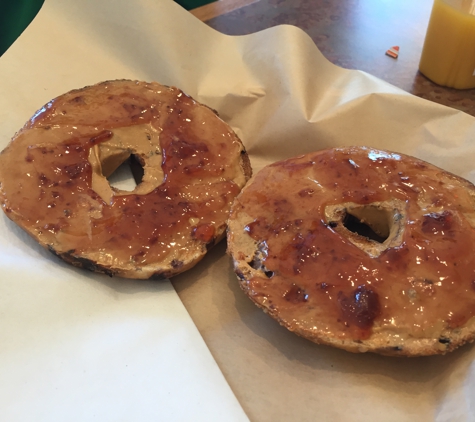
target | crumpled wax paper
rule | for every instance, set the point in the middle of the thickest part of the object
(283, 98)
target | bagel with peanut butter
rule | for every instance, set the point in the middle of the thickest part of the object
(360, 249)
(191, 165)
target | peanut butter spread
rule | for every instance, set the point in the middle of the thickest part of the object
(319, 272)
(54, 177)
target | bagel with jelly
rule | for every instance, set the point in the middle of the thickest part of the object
(361, 249)
(54, 178)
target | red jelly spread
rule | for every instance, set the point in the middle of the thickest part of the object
(315, 278)
(52, 183)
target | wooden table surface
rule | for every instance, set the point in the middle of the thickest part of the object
(353, 34)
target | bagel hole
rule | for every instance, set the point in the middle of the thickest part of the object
(128, 175)
(373, 225)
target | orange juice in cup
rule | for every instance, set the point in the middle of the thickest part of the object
(448, 56)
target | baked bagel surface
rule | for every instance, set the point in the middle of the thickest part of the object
(360, 249)
(191, 165)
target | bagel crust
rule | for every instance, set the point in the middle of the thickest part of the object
(360, 249)
(53, 178)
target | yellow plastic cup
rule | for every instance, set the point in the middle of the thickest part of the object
(448, 56)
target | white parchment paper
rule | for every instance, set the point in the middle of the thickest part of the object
(75, 346)
(64, 332)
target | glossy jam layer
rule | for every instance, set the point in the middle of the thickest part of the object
(46, 176)
(316, 279)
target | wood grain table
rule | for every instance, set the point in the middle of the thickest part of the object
(353, 34)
